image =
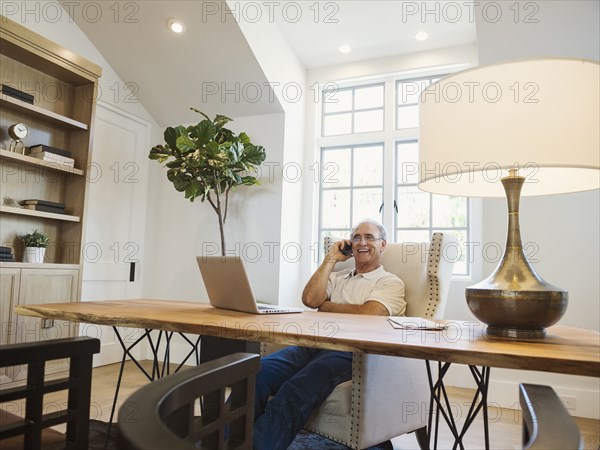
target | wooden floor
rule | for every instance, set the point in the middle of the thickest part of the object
(505, 424)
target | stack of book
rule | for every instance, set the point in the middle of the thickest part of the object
(6, 255)
(52, 154)
(44, 205)
(16, 93)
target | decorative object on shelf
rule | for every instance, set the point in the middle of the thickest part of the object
(51, 154)
(541, 124)
(207, 161)
(8, 201)
(34, 244)
(6, 254)
(17, 132)
(16, 93)
(41, 148)
(44, 205)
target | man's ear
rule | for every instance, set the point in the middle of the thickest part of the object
(383, 244)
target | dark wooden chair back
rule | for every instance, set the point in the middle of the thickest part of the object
(29, 432)
(166, 413)
(546, 422)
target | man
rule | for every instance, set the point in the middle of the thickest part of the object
(300, 379)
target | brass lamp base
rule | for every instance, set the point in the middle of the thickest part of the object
(514, 301)
(516, 314)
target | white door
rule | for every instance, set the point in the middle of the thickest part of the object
(115, 226)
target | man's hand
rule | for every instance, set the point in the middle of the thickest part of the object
(370, 307)
(335, 251)
(315, 292)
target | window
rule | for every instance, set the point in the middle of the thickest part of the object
(369, 160)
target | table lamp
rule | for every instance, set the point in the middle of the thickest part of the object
(527, 127)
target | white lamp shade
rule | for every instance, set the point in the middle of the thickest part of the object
(541, 116)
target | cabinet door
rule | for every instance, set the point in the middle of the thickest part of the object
(46, 286)
(9, 295)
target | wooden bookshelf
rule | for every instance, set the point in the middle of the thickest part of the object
(31, 63)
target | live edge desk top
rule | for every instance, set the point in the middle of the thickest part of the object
(566, 349)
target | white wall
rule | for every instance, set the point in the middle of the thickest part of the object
(563, 228)
(283, 69)
(543, 28)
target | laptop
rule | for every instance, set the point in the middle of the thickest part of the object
(228, 286)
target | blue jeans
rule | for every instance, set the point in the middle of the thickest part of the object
(299, 379)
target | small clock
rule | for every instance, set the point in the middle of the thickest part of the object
(18, 131)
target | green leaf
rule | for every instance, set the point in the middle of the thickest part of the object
(249, 181)
(212, 149)
(174, 164)
(185, 143)
(244, 139)
(221, 120)
(159, 153)
(171, 137)
(181, 182)
(254, 154)
(193, 190)
(204, 132)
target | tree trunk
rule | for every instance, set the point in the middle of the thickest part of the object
(222, 232)
(219, 212)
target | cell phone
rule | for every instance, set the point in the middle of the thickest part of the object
(347, 250)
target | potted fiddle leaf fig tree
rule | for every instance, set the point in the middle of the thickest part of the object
(207, 161)
(34, 244)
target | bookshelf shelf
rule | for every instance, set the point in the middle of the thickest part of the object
(35, 111)
(17, 157)
(40, 214)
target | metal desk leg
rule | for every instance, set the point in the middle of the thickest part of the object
(157, 371)
(439, 396)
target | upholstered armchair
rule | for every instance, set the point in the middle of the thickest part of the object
(389, 396)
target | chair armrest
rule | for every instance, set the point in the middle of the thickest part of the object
(546, 422)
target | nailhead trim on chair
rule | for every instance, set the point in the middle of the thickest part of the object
(433, 261)
(357, 361)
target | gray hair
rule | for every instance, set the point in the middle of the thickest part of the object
(371, 222)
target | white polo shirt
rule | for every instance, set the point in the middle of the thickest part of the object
(348, 287)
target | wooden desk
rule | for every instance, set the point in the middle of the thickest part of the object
(567, 350)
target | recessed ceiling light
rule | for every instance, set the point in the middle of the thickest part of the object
(345, 48)
(176, 26)
(421, 36)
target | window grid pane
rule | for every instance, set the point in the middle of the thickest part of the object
(353, 110)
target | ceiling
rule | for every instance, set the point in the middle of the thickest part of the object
(211, 67)
(374, 29)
